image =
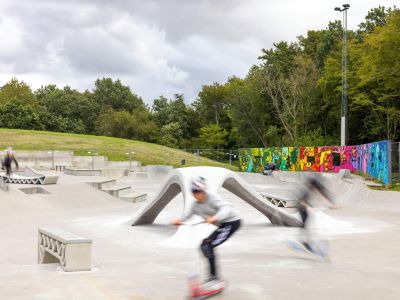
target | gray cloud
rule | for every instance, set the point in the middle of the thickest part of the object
(155, 46)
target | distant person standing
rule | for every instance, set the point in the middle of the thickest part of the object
(8, 160)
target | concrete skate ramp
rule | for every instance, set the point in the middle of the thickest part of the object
(178, 180)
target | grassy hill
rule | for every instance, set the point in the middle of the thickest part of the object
(114, 148)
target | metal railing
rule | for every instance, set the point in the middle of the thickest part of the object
(228, 156)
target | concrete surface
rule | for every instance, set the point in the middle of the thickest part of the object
(131, 263)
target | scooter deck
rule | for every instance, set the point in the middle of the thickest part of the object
(199, 291)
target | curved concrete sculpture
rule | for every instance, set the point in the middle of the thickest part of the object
(178, 180)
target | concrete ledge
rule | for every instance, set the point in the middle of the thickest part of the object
(134, 197)
(73, 252)
(99, 184)
(82, 172)
(111, 173)
(115, 190)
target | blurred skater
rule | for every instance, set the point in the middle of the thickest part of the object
(305, 208)
(214, 210)
(9, 158)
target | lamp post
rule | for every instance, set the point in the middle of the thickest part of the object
(130, 160)
(93, 155)
(52, 159)
(343, 120)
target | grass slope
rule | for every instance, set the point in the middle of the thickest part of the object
(114, 148)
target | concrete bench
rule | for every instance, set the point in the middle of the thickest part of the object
(99, 184)
(115, 190)
(134, 197)
(73, 252)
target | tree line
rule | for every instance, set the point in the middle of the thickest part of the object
(292, 97)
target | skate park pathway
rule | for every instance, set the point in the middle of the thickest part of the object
(129, 262)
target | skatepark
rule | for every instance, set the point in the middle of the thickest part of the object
(153, 260)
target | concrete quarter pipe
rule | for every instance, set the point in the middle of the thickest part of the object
(178, 181)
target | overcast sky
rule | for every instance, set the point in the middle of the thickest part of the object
(157, 47)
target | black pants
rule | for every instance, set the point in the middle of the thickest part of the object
(304, 218)
(8, 170)
(224, 232)
(303, 214)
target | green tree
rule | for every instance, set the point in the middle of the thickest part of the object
(376, 87)
(114, 94)
(291, 91)
(318, 45)
(213, 136)
(376, 17)
(123, 124)
(67, 110)
(212, 104)
(171, 134)
(251, 111)
(17, 91)
(17, 115)
(175, 111)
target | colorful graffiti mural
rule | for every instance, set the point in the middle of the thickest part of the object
(372, 159)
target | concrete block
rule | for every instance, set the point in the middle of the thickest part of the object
(73, 252)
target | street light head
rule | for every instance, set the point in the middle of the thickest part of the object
(346, 6)
(337, 9)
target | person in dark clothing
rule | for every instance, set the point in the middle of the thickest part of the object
(8, 160)
(305, 205)
(214, 210)
(269, 168)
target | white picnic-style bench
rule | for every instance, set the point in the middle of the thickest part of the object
(73, 252)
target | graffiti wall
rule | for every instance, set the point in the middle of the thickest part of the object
(372, 159)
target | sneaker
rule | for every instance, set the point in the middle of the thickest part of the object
(212, 283)
(211, 278)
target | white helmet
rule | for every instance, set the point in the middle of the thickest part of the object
(199, 184)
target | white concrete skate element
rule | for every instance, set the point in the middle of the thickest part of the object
(179, 180)
(99, 184)
(72, 251)
(35, 179)
(115, 190)
(48, 179)
(106, 172)
(134, 197)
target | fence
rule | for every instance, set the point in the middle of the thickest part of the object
(396, 162)
(373, 159)
(228, 156)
